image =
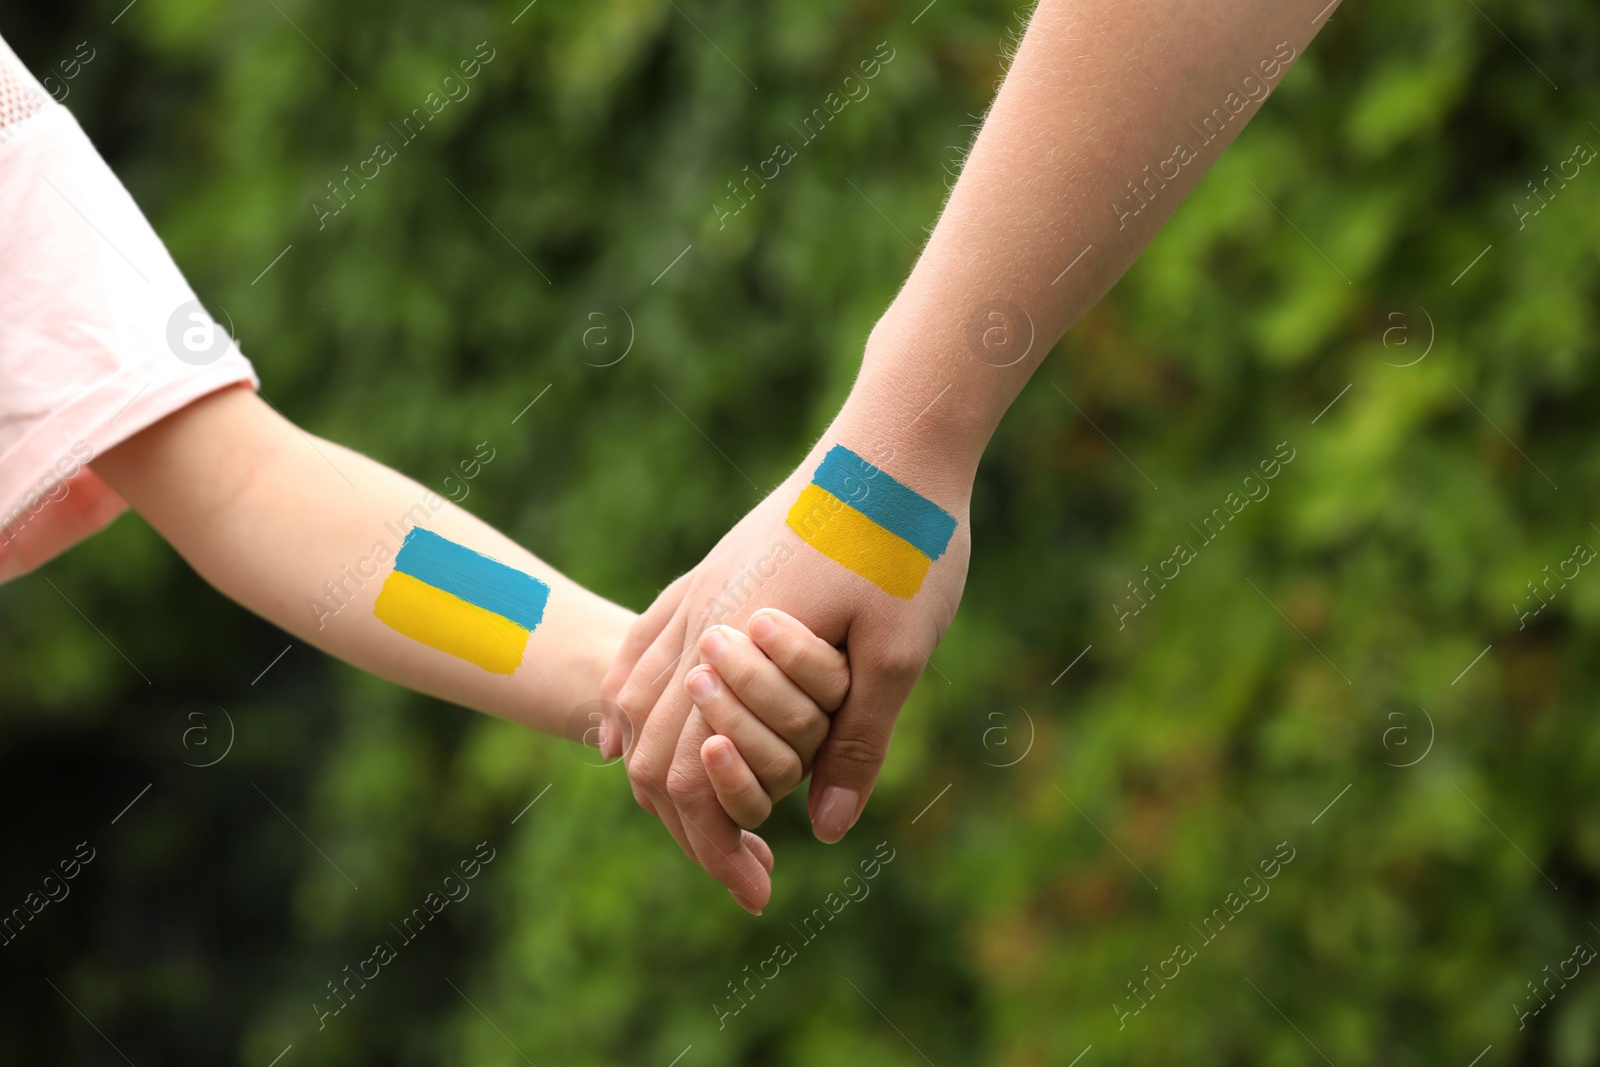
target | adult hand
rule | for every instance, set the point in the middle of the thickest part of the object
(995, 286)
(764, 562)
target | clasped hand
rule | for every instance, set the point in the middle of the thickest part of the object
(685, 676)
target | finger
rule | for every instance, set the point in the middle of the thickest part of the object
(652, 796)
(777, 766)
(660, 805)
(640, 636)
(821, 671)
(655, 747)
(886, 667)
(760, 686)
(762, 852)
(738, 790)
(644, 630)
(650, 743)
(717, 840)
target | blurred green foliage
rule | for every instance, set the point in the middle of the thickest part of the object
(1319, 641)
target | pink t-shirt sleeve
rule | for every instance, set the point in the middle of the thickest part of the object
(100, 335)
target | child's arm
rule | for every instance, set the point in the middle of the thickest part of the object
(309, 535)
(305, 534)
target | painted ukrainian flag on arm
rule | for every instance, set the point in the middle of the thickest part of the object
(857, 515)
(461, 602)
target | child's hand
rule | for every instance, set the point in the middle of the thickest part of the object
(768, 696)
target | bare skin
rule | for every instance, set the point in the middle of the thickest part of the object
(281, 521)
(1077, 167)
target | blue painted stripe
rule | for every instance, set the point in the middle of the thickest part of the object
(477, 579)
(871, 491)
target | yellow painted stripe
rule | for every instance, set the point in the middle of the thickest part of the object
(848, 537)
(446, 622)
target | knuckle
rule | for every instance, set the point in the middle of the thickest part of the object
(800, 734)
(724, 712)
(811, 737)
(902, 662)
(786, 720)
(741, 672)
(782, 773)
(717, 717)
(836, 688)
(787, 785)
(787, 649)
(643, 774)
(683, 788)
(630, 694)
(753, 809)
(857, 750)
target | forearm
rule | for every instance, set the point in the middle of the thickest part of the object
(1085, 154)
(305, 533)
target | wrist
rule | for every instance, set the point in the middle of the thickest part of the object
(875, 424)
(912, 412)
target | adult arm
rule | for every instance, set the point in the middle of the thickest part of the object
(1111, 112)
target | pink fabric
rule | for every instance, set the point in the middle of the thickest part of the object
(94, 317)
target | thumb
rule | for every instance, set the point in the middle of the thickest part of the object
(641, 634)
(851, 756)
(619, 733)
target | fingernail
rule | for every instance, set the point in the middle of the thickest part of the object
(836, 814)
(702, 685)
(721, 755)
(600, 739)
(737, 899)
(713, 644)
(763, 628)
